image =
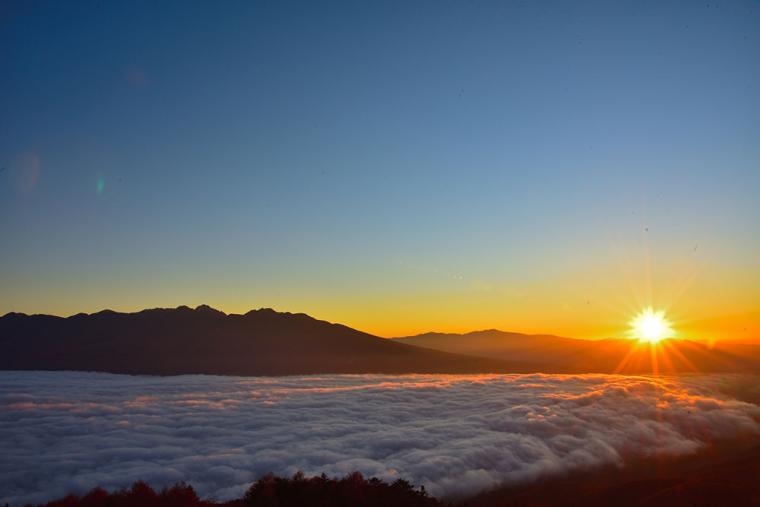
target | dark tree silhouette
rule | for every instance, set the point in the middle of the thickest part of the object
(321, 491)
(269, 491)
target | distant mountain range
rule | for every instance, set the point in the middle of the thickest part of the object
(557, 354)
(203, 340)
(265, 342)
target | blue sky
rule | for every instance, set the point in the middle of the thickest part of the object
(346, 158)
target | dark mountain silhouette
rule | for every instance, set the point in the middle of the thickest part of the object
(557, 354)
(265, 342)
(205, 340)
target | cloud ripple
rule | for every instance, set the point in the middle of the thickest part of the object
(68, 432)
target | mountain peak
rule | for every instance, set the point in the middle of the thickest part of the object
(10, 315)
(207, 309)
(265, 311)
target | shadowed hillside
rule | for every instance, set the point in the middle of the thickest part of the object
(204, 340)
(566, 355)
(726, 474)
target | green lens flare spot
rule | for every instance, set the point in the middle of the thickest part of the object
(101, 185)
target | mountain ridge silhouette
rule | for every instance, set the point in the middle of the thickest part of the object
(183, 340)
(559, 354)
(204, 340)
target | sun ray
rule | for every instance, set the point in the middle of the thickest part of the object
(672, 349)
(653, 359)
(627, 359)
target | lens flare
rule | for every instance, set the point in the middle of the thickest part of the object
(651, 326)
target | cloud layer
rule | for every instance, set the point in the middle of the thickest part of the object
(68, 432)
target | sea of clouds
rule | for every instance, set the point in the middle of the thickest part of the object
(64, 432)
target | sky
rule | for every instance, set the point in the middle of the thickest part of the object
(399, 167)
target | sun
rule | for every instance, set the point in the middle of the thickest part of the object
(651, 326)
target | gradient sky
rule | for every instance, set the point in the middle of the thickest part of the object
(399, 167)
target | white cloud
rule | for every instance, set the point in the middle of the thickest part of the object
(68, 432)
